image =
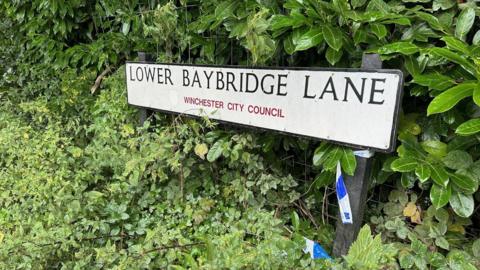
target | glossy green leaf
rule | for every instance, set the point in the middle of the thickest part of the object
(288, 45)
(401, 47)
(476, 95)
(422, 172)
(468, 128)
(408, 180)
(225, 9)
(309, 39)
(456, 44)
(434, 81)
(454, 57)
(333, 56)
(295, 221)
(332, 159)
(430, 19)
(465, 183)
(446, 100)
(462, 204)
(321, 152)
(439, 195)
(439, 175)
(443, 4)
(458, 159)
(476, 38)
(464, 22)
(281, 21)
(379, 30)
(348, 161)
(323, 179)
(125, 28)
(215, 151)
(442, 242)
(404, 164)
(360, 36)
(358, 3)
(435, 148)
(332, 37)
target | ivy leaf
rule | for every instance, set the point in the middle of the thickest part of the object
(446, 100)
(468, 128)
(403, 47)
(465, 183)
(462, 204)
(332, 37)
(215, 151)
(309, 39)
(440, 196)
(464, 22)
(422, 172)
(458, 159)
(348, 161)
(439, 175)
(404, 164)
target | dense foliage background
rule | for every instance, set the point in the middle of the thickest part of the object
(83, 187)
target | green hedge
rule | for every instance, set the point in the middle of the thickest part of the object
(83, 187)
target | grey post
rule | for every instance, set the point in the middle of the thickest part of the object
(357, 186)
(143, 113)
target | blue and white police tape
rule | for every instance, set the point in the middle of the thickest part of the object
(315, 249)
(342, 196)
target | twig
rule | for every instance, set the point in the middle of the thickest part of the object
(99, 79)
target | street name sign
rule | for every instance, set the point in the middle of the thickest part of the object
(353, 107)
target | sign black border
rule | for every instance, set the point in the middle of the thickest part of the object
(393, 133)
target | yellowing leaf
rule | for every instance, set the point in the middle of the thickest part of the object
(410, 209)
(413, 212)
(201, 150)
(456, 228)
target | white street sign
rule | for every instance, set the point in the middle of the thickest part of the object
(351, 106)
